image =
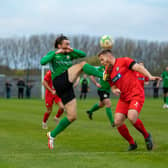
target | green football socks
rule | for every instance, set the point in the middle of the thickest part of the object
(94, 108)
(109, 115)
(91, 70)
(60, 127)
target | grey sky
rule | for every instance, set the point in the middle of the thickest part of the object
(137, 19)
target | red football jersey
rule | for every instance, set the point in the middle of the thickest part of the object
(48, 79)
(125, 79)
(142, 79)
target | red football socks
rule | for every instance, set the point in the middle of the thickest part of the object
(123, 130)
(46, 115)
(140, 127)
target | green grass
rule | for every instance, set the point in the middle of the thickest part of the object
(85, 144)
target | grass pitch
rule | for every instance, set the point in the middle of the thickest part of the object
(84, 144)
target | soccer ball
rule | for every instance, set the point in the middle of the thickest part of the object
(106, 42)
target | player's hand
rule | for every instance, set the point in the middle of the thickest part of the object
(68, 50)
(155, 78)
(53, 92)
(60, 51)
(98, 85)
(116, 91)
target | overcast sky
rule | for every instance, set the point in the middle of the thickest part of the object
(136, 19)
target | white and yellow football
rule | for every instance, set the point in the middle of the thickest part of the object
(106, 42)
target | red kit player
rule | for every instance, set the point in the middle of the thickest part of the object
(50, 98)
(120, 73)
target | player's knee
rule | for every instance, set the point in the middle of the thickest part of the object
(117, 122)
(132, 119)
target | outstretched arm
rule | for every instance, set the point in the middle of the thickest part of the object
(47, 58)
(145, 72)
(50, 55)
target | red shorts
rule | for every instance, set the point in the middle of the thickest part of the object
(124, 106)
(50, 99)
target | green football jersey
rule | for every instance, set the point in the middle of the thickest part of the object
(165, 79)
(105, 86)
(59, 63)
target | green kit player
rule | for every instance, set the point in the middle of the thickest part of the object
(164, 76)
(63, 76)
(84, 84)
(103, 91)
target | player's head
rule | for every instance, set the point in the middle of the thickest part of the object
(84, 76)
(106, 57)
(62, 42)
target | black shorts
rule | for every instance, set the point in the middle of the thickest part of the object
(64, 88)
(165, 90)
(103, 95)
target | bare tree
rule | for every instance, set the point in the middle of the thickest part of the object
(26, 52)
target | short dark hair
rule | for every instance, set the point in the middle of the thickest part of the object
(59, 40)
(102, 52)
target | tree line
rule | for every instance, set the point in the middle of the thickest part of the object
(26, 52)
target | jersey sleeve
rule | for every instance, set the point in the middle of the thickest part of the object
(146, 79)
(77, 54)
(99, 68)
(47, 58)
(128, 62)
(47, 77)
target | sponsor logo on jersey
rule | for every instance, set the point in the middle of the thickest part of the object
(116, 78)
(141, 78)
